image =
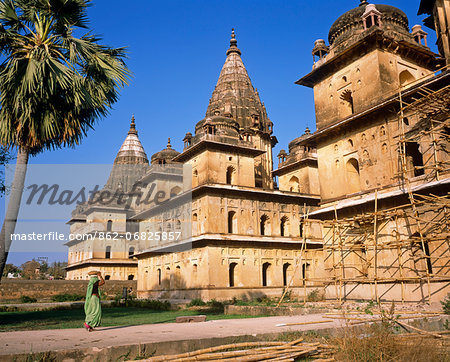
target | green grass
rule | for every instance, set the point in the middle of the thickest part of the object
(74, 318)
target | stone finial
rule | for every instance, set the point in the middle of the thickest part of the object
(233, 44)
(169, 146)
(233, 41)
(132, 126)
(363, 3)
(307, 130)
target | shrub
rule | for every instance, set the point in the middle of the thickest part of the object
(215, 306)
(67, 297)
(315, 296)
(27, 299)
(144, 303)
(378, 342)
(196, 302)
(446, 304)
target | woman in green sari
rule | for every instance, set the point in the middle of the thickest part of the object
(92, 307)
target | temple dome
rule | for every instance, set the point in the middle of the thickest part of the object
(224, 125)
(165, 156)
(351, 22)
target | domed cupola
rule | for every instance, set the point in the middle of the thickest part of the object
(165, 156)
(219, 126)
(357, 20)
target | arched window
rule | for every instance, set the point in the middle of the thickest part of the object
(109, 225)
(131, 251)
(382, 131)
(131, 277)
(405, 77)
(286, 269)
(108, 252)
(195, 178)
(107, 277)
(414, 159)
(177, 276)
(353, 181)
(168, 278)
(230, 175)
(232, 222)
(421, 253)
(294, 184)
(194, 224)
(350, 142)
(284, 226)
(263, 224)
(347, 102)
(231, 274)
(305, 272)
(265, 274)
(301, 227)
(159, 276)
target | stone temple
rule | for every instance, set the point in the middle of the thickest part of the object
(358, 209)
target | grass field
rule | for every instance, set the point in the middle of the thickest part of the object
(74, 318)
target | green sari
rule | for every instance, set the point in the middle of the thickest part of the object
(92, 307)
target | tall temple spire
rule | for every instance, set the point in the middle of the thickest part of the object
(234, 96)
(131, 152)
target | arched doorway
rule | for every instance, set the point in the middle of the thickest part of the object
(266, 274)
(353, 181)
(232, 222)
(294, 184)
(284, 226)
(232, 274)
(230, 175)
(263, 223)
(286, 270)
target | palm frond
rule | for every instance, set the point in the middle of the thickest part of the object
(53, 86)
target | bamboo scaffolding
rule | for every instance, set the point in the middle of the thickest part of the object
(251, 351)
(305, 219)
(423, 219)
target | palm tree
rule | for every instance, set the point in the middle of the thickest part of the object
(53, 85)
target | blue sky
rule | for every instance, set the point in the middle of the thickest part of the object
(176, 49)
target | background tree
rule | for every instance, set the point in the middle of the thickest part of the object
(5, 157)
(11, 268)
(30, 269)
(53, 85)
(58, 270)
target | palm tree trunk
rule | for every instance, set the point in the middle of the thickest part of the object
(9, 224)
